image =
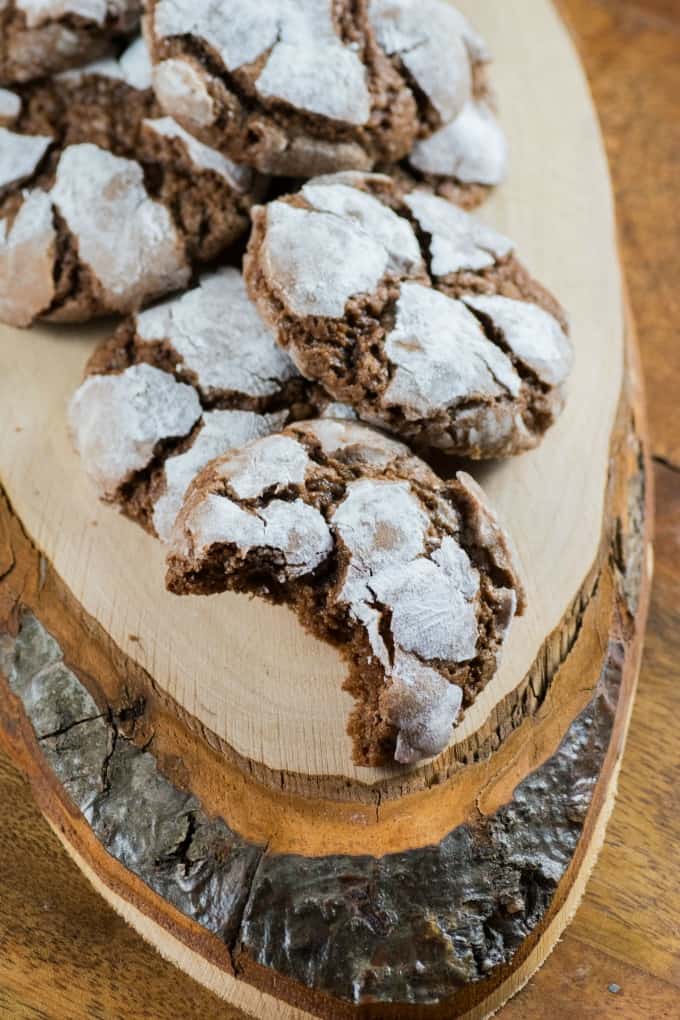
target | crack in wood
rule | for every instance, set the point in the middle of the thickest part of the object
(405, 927)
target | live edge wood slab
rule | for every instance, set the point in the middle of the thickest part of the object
(321, 892)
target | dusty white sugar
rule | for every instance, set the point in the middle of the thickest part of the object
(366, 213)
(20, 155)
(441, 355)
(472, 147)
(239, 33)
(382, 524)
(202, 156)
(27, 261)
(274, 461)
(372, 447)
(307, 64)
(531, 333)
(458, 240)
(423, 705)
(221, 431)
(181, 90)
(39, 11)
(324, 78)
(217, 332)
(126, 238)
(10, 104)
(296, 530)
(338, 410)
(433, 602)
(317, 261)
(133, 66)
(136, 65)
(117, 420)
(427, 37)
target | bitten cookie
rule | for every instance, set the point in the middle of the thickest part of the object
(409, 575)
(412, 311)
(106, 203)
(301, 89)
(41, 38)
(176, 386)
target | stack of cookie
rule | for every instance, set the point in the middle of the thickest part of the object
(268, 423)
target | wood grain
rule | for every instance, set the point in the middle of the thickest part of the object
(246, 670)
(85, 963)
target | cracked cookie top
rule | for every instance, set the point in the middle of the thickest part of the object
(412, 311)
(41, 37)
(106, 203)
(176, 386)
(410, 575)
(302, 88)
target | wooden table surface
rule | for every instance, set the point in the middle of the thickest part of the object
(64, 955)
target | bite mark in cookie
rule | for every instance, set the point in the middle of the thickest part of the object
(412, 311)
(411, 576)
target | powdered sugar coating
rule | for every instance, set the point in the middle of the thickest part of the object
(307, 65)
(441, 355)
(27, 260)
(135, 64)
(128, 240)
(116, 421)
(300, 259)
(397, 575)
(20, 155)
(371, 217)
(299, 531)
(427, 36)
(430, 599)
(182, 92)
(274, 462)
(202, 156)
(10, 105)
(133, 67)
(423, 706)
(337, 410)
(532, 334)
(472, 148)
(458, 240)
(411, 348)
(373, 448)
(220, 431)
(218, 334)
(295, 530)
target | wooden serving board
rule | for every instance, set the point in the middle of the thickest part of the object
(229, 699)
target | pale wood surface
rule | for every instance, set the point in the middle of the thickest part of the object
(247, 670)
(63, 954)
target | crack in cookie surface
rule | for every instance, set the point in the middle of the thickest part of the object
(136, 202)
(410, 576)
(412, 311)
(176, 386)
(301, 89)
(37, 39)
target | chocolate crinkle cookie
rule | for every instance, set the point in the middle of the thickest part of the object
(413, 312)
(410, 575)
(41, 37)
(105, 202)
(463, 160)
(305, 88)
(176, 386)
